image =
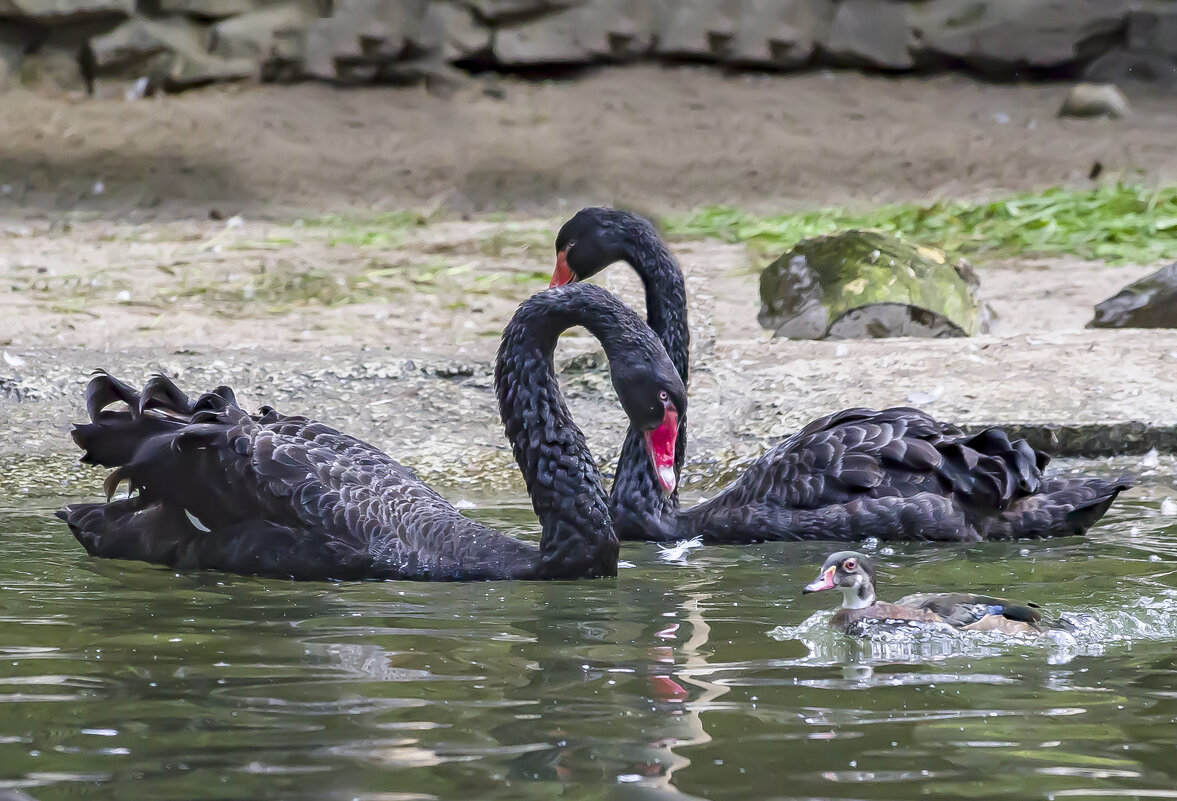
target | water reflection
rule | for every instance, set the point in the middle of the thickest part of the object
(699, 674)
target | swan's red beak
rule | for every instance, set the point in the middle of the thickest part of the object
(563, 273)
(660, 445)
(823, 582)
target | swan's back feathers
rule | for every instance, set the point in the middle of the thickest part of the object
(284, 495)
(895, 452)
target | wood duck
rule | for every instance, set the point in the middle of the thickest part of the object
(854, 574)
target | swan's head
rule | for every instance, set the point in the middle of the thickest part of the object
(654, 398)
(852, 573)
(591, 240)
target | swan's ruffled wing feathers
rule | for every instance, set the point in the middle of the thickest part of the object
(900, 474)
(894, 452)
(268, 493)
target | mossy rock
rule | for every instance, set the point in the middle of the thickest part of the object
(867, 284)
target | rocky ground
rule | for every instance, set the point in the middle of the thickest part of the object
(117, 48)
(388, 327)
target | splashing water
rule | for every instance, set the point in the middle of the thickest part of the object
(678, 552)
(1091, 633)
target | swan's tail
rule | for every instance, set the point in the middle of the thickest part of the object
(196, 499)
(127, 431)
(1062, 507)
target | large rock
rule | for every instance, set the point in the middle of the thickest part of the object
(550, 39)
(866, 284)
(140, 38)
(501, 12)
(54, 71)
(12, 50)
(780, 33)
(617, 29)
(871, 33)
(1004, 36)
(263, 35)
(209, 9)
(170, 52)
(697, 28)
(1150, 302)
(614, 29)
(52, 12)
(1120, 66)
(395, 41)
(458, 33)
(1153, 29)
(360, 38)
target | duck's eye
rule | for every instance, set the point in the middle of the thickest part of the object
(849, 565)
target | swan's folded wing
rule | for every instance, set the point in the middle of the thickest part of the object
(898, 452)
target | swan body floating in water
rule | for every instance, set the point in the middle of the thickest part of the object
(214, 487)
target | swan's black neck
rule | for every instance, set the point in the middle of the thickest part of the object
(566, 492)
(639, 506)
(666, 293)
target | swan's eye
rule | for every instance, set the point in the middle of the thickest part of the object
(570, 246)
(849, 565)
(664, 396)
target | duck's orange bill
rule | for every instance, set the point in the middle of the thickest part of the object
(660, 444)
(562, 274)
(823, 582)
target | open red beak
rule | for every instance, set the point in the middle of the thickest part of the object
(823, 582)
(563, 273)
(660, 445)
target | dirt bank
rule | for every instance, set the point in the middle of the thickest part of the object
(659, 138)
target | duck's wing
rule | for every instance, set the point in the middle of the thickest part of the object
(963, 610)
(1005, 625)
(855, 621)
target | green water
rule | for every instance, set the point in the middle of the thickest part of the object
(708, 677)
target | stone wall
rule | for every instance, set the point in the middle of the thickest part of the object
(134, 47)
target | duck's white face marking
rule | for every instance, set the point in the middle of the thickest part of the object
(853, 595)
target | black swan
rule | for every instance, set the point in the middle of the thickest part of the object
(892, 474)
(854, 575)
(268, 494)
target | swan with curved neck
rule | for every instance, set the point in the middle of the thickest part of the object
(217, 488)
(892, 474)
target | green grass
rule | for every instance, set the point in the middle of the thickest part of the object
(1117, 223)
(381, 230)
